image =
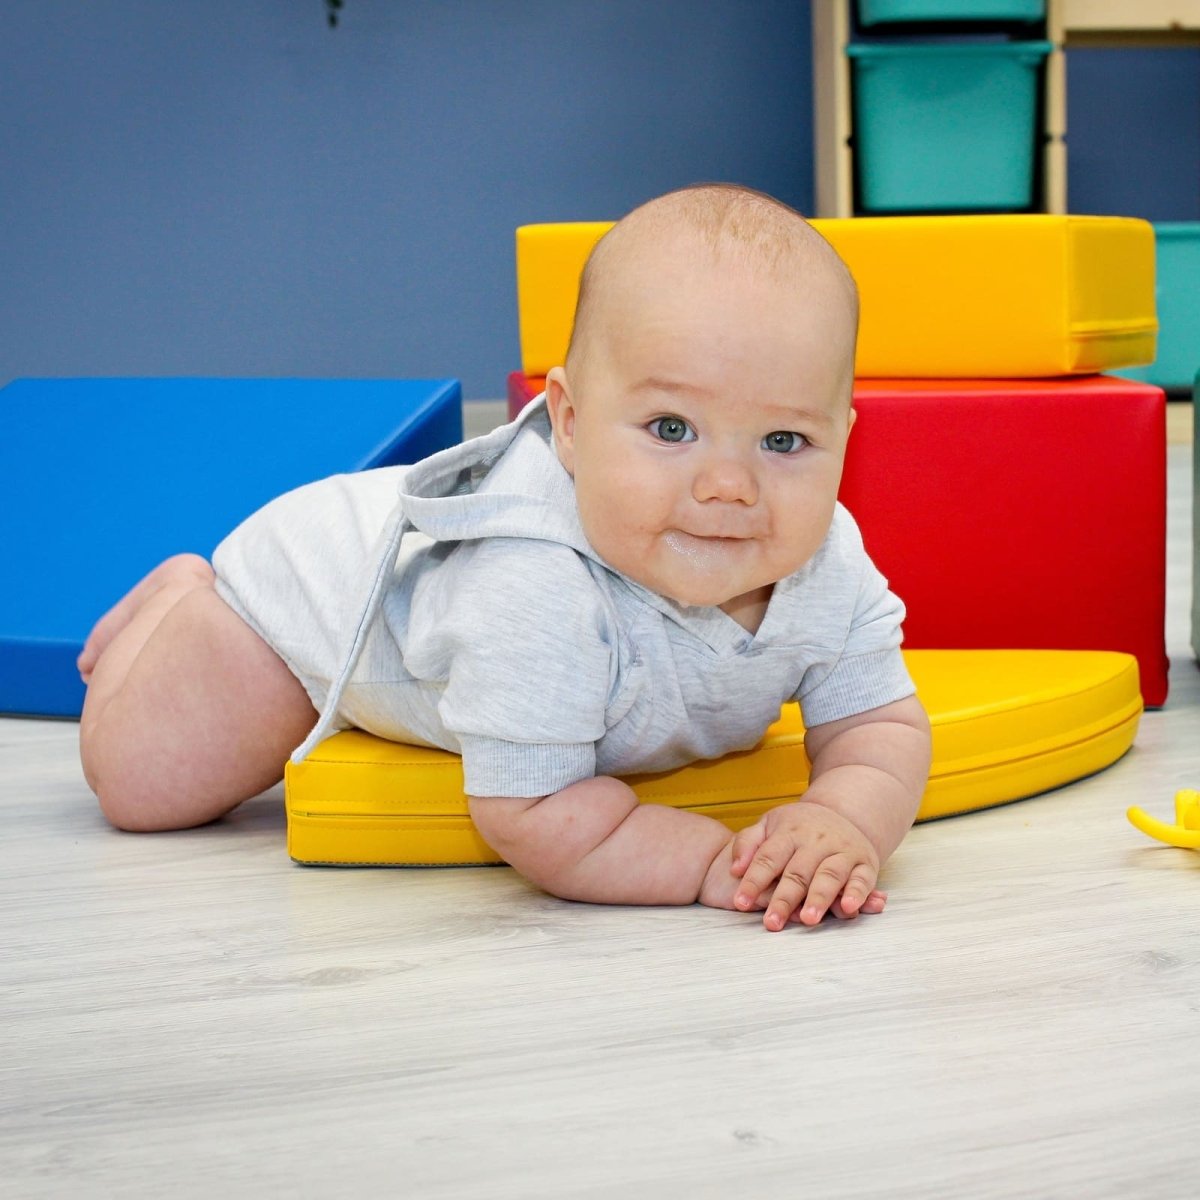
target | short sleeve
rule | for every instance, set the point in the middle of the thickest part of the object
(868, 670)
(518, 633)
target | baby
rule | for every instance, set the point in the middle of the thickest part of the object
(632, 576)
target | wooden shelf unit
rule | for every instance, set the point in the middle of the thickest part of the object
(1068, 23)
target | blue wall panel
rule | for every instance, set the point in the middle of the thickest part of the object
(1133, 132)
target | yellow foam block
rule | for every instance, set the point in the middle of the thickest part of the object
(956, 297)
(1006, 724)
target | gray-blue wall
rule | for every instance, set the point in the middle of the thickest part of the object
(229, 187)
(1133, 132)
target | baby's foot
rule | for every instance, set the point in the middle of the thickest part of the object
(181, 566)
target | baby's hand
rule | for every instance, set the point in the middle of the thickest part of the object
(815, 858)
(722, 885)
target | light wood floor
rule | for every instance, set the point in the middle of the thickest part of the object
(191, 1015)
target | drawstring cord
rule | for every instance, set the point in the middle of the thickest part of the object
(395, 529)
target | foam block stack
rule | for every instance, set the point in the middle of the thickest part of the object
(982, 467)
(1021, 517)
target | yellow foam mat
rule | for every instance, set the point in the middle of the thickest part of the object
(1006, 724)
(952, 297)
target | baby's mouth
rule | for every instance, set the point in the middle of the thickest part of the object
(712, 537)
(697, 544)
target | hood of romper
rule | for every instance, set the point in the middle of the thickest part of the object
(508, 483)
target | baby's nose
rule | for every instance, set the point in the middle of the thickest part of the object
(726, 478)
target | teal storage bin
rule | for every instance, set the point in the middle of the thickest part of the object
(874, 12)
(1177, 297)
(946, 126)
(1196, 526)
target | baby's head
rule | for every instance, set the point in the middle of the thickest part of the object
(704, 406)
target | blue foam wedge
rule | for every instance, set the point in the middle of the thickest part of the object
(100, 479)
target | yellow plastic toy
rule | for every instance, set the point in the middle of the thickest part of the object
(1006, 724)
(1185, 833)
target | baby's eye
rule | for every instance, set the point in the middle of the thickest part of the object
(784, 442)
(672, 429)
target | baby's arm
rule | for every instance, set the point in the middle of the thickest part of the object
(595, 841)
(868, 775)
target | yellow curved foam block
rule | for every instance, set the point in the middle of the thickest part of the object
(950, 297)
(1007, 724)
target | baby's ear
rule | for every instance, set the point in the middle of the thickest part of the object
(561, 408)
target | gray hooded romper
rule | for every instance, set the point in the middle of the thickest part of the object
(457, 603)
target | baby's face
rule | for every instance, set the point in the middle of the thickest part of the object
(706, 431)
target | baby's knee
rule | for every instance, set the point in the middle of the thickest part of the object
(187, 568)
(121, 788)
(139, 805)
(125, 812)
(136, 787)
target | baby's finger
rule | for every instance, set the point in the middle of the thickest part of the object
(787, 897)
(745, 843)
(858, 887)
(765, 867)
(873, 904)
(827, 884)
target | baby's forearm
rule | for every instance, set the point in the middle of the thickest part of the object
(874, 775)
(875, 803)
(595, 841)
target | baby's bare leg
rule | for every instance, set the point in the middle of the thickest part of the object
(188, 711)
(142, 607)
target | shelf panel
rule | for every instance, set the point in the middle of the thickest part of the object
(1126, 23)
(1069, 23)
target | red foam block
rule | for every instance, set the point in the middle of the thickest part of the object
(521, 389)
(1023, 514)
(1012, 514)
